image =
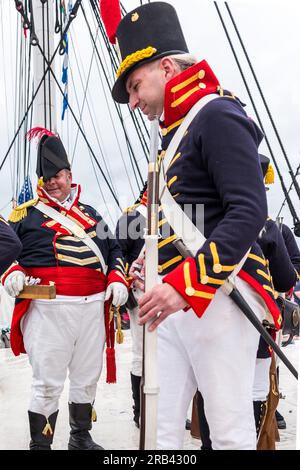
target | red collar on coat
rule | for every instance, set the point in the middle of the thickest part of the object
(184, 90)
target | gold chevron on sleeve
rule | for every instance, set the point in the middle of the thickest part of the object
(171, 181)
(268, 288)
(174, 159)
(228, 268)
(217, 266)
(203, 276)
(162, 222)
(121, 262)
(167, 264)
(263, 274)
(167, 241)
(189, 290)
(258, 259)
(213, 280)
(117, 266)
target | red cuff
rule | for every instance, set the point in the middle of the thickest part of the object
(184, 279)
(116, 276)
(15, 267)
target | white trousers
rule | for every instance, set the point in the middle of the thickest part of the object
(216, 354)
(137, 338)
(61, 335)
(261, 384)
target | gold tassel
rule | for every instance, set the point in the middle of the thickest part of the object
(16, 215)
(19, 212)
(111, 314)
(47, 429)
(94, 415)
(269, 178)
(41, 182)
(119, 334)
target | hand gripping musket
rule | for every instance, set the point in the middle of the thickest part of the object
(149, 383)
(230, 289)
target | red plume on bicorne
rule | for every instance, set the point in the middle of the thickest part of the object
(111, 16)
(38, 132)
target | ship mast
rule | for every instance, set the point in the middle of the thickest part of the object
(44, 113)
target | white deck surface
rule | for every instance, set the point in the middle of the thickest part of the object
(114, 428)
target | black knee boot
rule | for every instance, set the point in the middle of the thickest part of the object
(135, 387)
(259, 411)
(41, 430)
(80, 415)
(203, 424)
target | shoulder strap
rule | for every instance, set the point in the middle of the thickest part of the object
(173, 145)
(74, 228)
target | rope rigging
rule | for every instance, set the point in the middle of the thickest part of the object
(137, 118)
(265, 103)
(131, 152)
(114, 127)
(47, 71)
(91, 117)
(290, 188)
(80, 128)
(293, 212)
(40, 82)
(92, 162)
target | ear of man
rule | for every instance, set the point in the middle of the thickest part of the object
(170, 68)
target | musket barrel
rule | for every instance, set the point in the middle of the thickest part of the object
(150, 380)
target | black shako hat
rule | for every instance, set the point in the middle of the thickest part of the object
(51, 157)
(145, 34)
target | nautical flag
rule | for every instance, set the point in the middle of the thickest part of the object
(26, 192)
(66, 65)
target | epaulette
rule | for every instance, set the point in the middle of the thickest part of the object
(20, 212)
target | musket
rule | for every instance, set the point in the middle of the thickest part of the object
(149, 382)
(239, 300)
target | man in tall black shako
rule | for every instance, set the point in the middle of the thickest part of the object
(69, 243)
(204, 340)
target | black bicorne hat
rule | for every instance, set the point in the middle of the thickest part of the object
(145, 34)
(51, 154)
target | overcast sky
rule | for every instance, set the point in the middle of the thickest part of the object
(270, 31)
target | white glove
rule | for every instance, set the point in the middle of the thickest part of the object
(119, 292)
(14, 283)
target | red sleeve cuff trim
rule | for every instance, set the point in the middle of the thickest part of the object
(116, 276)
(185, 280)
(15, 267)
